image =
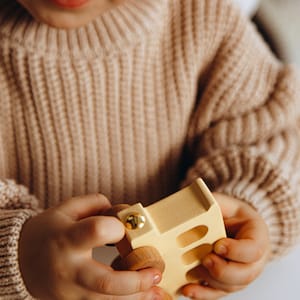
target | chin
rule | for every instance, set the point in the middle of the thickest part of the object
(62, 21)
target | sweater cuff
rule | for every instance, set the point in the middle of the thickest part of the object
(12, 286)
(255, 180)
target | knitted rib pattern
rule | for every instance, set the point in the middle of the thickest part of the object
(143, 99)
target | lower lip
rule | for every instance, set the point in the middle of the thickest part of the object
(70, 3)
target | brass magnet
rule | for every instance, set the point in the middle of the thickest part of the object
(135, 221)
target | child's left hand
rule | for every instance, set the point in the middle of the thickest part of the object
(237, 260)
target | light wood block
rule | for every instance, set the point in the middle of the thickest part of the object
(182, 227)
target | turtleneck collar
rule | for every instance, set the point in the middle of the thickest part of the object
(111, 32)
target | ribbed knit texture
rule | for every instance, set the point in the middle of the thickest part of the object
(12, 199)
(146, 95)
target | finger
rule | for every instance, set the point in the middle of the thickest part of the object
(71, 290)
(249, 245)
(229, 206)
(153, 294)
(199, 292)
(242, 251)
(232, 207)
(95, 277)
(94, 232)
(226, 273)
(83, 293)
(208, 281)
(84, 206)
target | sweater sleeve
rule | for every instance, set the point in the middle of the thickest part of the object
(16, 206)
(244, 136)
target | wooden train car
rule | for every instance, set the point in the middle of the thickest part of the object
(173, 234)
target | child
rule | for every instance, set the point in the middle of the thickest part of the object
(133, 99)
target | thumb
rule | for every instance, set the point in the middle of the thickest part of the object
(229, 205)
(84, 206)
(95, 232)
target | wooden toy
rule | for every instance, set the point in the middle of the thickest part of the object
(173, 234)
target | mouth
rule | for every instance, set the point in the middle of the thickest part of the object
(69, 4)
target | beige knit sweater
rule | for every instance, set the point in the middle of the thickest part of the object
(147, 97)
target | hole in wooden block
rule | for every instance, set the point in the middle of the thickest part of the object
(193, 275)
(192, 235)
(196, 254)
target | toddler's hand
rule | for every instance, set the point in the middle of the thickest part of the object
(237, 260)
(55, 255)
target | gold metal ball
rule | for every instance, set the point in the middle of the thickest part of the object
(135, 221)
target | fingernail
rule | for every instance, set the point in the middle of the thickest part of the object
(207, 262)
(221, 249)
(156, 279)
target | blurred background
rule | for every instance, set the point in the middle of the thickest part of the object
(279, 23)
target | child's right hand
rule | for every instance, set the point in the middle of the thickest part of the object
(55, 255)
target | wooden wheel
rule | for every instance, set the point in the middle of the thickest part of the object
(142, 258)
